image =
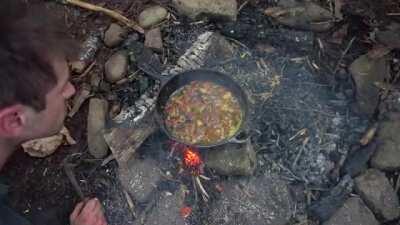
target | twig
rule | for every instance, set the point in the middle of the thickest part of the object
(108, 12)
(344, 54)
(295, 177)
(204, 177)
(90, 67)
(203, 191)
(69, 170)
(397, 185)
(196, 199)
(130, 203)
(396, 77)
(369, 134)
(243, 5)
(294, 165)
(110, 158)
(301, 132)
(240, 44)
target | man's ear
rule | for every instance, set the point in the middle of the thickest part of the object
(12, 121)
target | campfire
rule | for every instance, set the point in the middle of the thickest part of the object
(192, 160)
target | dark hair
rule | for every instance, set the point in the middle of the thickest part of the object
(30, 38)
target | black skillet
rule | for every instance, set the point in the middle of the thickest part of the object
(170, 84)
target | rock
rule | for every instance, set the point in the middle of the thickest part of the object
(87, 52)
(357, 161)
(261, 200)
(232, 159)
(366, 72)
(114, 35)
(390, 37)
(152, 16)
(78, 66)
(216, 9)
(376, 191)
(308, 16)
(353, 212)
(153, 39)
(116, 67)
(387, 156)
(289, 3)
(96, 120)
(168, 209)
(140, 177)
(326, 206)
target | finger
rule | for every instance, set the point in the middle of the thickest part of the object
(98, 220)
(100, 217)
(77, 210)
(102, 221)
(99, 213)
(91, 207)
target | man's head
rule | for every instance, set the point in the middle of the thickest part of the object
(34, 74)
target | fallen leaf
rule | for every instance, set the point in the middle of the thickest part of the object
(308, 16)
(43, 147)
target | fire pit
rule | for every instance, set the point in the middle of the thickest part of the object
(150, 165)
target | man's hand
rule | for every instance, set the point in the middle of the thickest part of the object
(88, 213)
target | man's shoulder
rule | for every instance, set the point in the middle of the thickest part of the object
(10, 217)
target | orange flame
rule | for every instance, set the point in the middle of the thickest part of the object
(191, 158)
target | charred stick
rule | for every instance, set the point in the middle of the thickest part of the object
(130, 203)
(203, 191)
(343, 55)
(69, 170)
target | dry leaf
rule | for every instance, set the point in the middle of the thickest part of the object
(46, 146)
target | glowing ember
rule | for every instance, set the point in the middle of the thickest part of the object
(191, 158)
(186, 211)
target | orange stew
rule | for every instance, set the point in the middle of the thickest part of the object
(202, 112)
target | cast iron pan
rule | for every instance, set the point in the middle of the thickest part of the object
(170, 84)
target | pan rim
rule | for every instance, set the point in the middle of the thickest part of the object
(241, 97)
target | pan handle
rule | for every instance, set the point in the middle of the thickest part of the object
(247, 135)
(235, 140)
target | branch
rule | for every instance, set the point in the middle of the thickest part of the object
(108, 12)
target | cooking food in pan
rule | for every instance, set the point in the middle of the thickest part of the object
(202, 112)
